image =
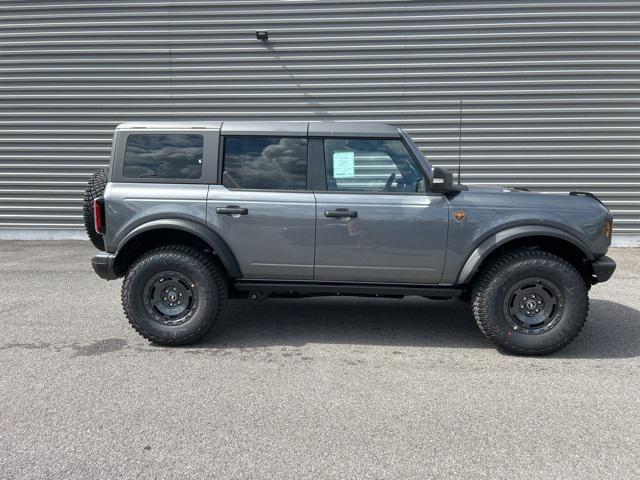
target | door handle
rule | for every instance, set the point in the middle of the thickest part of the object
(341, 213)
(232, 210)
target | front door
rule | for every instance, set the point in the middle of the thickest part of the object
(375, 222)
(263, 209)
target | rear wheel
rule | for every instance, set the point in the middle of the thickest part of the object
(530, 302)
(95, 189)
(173, 295)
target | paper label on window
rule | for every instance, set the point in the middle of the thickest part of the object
(343, 165)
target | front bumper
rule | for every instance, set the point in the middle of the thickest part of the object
(603, 268)
(102, 264)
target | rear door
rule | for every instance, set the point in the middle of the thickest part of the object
(375, 221)
(263, 208)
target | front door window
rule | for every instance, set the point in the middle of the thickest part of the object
(371, 165)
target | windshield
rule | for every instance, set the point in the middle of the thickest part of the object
(418, 154)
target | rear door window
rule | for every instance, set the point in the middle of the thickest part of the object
(171, 156)
(265, 163)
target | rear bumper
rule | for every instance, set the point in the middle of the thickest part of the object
(603, 268)
(102, 264)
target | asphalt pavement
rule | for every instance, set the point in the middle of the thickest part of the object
(305, 389)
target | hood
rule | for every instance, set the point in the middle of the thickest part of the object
(522, 196)
(498, 189)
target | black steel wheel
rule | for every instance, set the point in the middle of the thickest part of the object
(173, 295)
(530, 302)
(534, 306)
(170, 298)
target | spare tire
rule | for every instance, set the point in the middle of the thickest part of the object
(95, 189)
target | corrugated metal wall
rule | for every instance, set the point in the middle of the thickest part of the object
(551, 89)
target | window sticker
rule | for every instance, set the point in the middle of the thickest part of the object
(343, 165)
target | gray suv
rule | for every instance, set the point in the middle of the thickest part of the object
(191, 214)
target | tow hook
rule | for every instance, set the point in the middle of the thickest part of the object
(257, 297)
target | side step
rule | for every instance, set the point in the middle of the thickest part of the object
(337, 288)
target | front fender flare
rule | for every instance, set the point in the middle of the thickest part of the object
(497, 239)
(211, 238)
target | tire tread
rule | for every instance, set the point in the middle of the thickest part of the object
(524, 258)
(202, 259)
(95, 189)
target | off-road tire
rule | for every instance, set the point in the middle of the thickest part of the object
(209, 288)
(490, 304)
(95, 189)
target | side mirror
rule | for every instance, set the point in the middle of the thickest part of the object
(443, 182)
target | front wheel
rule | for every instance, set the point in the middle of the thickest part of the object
(173, 295)
(530, 302)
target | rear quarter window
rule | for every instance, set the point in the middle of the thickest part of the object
(172, 156)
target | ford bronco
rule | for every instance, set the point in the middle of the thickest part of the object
(191, 214)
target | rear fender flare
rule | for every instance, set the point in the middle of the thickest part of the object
(211, 238)
(502, 237)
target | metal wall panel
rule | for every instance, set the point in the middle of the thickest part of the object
(551, 89)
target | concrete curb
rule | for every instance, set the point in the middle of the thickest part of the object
(42, 234)
(75, 234)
